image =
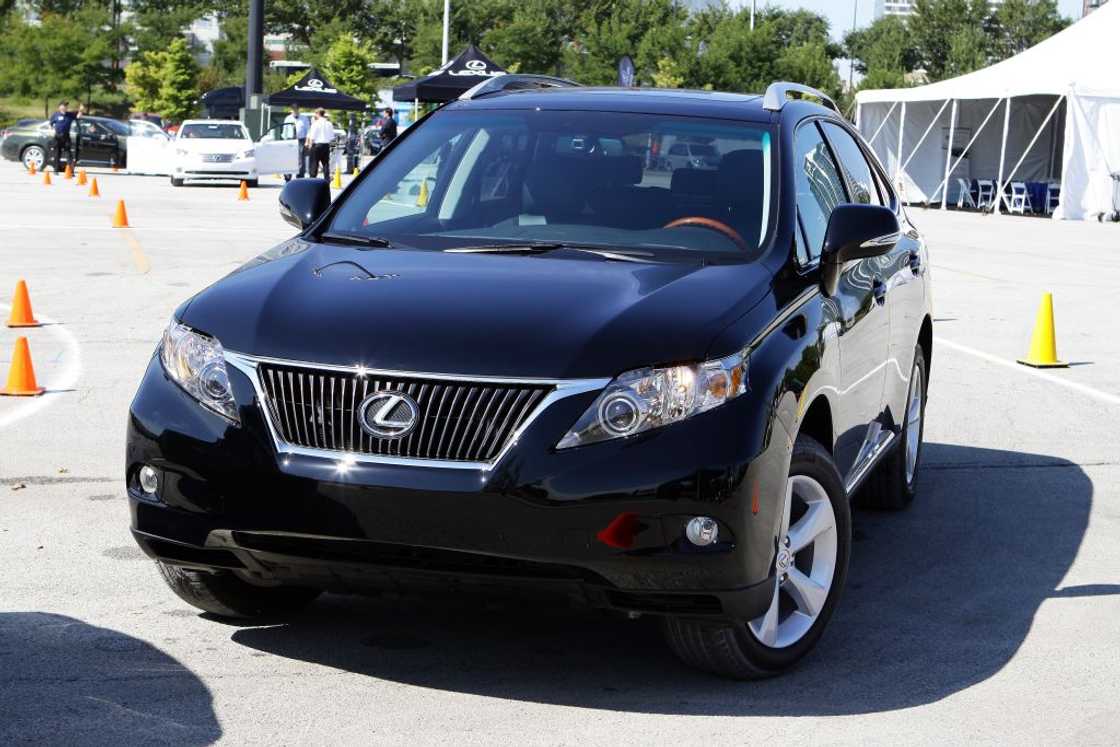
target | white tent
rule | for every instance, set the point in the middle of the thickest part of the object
(1049, 114)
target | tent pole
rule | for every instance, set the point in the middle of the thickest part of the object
(1030, 145)
(901, 130)
(998, 196)
(949, 155)
(883, 123)
(972, 140)
(859, 110)
(922, 139)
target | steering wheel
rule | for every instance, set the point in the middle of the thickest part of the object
(714, 225)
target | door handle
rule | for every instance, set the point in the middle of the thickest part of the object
(879, 288)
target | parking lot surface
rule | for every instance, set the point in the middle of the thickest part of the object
(989, 612)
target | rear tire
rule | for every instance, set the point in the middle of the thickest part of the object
(252, 183)
(176, 182)
(891, 485)
(737, 649)
(223, 594)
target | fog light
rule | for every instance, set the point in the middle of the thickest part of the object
(702, 531)
(149, 479)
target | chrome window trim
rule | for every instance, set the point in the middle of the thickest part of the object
(562, 388)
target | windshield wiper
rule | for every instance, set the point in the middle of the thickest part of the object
(541, 247)
(370, 242)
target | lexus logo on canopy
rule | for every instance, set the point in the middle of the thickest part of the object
(388, 414)
(474, 67)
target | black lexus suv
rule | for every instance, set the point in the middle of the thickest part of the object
(527, 351)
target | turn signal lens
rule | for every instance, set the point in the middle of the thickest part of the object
(648, 398)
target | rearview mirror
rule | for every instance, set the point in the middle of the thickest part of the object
(855, 232)
(302, 201)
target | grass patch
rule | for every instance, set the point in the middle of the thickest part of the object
(12, 109)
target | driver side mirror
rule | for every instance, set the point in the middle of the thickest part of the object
(855, 232)
(302, 201)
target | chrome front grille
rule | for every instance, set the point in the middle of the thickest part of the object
(458, 419)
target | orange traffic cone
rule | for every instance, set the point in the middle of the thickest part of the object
(69, 173)
(120, 218)
(46, 177)
(32, 169)
(21, 315)
(243, 194)
(82, 181)
(93, 190)
(21, 376)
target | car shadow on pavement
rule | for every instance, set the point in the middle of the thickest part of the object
(63, 681)
(939, 598)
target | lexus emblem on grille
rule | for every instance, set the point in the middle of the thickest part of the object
(388, 414)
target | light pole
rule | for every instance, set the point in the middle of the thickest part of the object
(753, 4)
(851, 62)
(446, 26)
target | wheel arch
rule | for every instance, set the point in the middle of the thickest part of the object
(925, 340)
(817, 423)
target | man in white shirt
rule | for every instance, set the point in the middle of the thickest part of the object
(319, 139)
(300, 124)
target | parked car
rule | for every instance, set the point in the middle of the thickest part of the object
(692, 155)
(101, 142)
(555, 371)
(213, 149)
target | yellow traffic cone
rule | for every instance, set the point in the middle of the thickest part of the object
(336, 183)
(1044, 347)
(355, 171)
(422, 198)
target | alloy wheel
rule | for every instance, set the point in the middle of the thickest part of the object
(914, 424)
(804, 566)
(34, 155)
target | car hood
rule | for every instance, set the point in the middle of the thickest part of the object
(539, 316)
(213, 145)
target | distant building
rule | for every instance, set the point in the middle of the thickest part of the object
(1088, 6)
(906, 7)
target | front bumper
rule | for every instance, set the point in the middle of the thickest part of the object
(535, 521)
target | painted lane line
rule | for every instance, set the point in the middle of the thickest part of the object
(143, 266)
(1088, 391)
(67, 378)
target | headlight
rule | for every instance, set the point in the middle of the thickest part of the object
(245, 154)
(648, 398)
(182, 152)
(197, 364)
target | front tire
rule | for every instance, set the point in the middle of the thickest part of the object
(252, 183)
(891, 485)
(33, 154)
(176, 182)
(223, 594)
(810, 566)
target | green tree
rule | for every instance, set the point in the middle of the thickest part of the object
(144, 78)
(178, 90)
(59, 57)
(937, 24)
(1020, 24)
(884, 46)
(346, 64)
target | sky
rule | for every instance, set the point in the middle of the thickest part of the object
(839, 12)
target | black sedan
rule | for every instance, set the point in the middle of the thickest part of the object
(100, 141)
(514, 355)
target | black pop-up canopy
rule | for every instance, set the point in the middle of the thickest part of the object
(452, 80)
(313, 90)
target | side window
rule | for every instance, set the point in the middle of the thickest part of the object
(819, 186)
(855, 165)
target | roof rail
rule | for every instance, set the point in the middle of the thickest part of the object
(512, 82)
(778, 93)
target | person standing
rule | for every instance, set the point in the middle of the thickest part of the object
(319, 138)
(76, 153)
(60, 123)
(388, 128)
(301, 125)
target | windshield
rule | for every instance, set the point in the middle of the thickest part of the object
(213, 131)
(602, 179)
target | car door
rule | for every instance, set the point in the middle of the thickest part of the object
(96, 145)
(899, 269)
(278, 154)
(862, 327)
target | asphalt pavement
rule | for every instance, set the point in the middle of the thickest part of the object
(989, 612)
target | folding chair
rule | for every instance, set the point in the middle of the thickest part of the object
(985, 193)
(1020, 198)
(965, 195)
(1053, 196)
